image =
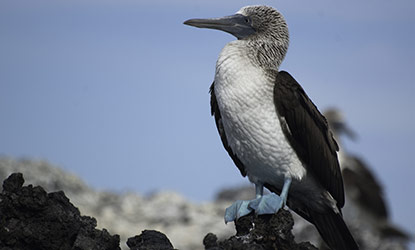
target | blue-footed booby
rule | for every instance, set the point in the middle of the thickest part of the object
(271, 129)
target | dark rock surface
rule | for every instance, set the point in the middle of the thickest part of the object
(150, 240)
(265, 232)
(129, 213)
(33, 219)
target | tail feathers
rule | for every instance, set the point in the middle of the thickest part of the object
(334, 231)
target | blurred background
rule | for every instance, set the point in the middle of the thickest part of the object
(117, 91)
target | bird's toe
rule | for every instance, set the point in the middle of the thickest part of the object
(267, 204)
(236, 210)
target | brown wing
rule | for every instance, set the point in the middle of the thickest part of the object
(307, 131)
(219, 125)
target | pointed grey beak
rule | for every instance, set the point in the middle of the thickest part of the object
(342, 128)
(349, 132)
(238, 25)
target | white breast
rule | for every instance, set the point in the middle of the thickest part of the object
(245, 97)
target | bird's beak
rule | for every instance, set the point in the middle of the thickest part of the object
(237, 25)
(342, 128)
(349, 132)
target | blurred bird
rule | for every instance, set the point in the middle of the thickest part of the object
(365, 203)
(271, 129)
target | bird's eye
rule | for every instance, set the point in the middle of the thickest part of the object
(247, 20)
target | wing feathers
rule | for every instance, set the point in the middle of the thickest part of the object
(308, 134)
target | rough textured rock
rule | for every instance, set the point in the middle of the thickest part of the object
(33, 219)
(185, 223)
(128, 214)
(265, 232)
(150, 240)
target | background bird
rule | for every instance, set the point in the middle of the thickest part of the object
(365, 202)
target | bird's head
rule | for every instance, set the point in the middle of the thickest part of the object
(261, 26)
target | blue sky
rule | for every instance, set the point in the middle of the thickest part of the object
(117, 91)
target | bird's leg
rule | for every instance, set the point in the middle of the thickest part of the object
(284, 192)
(270, 203)
(259, 190)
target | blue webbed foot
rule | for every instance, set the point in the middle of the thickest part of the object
(237, 210)
(263, 204)
(267, 204)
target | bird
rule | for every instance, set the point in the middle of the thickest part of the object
(271, 129)
(361, 185)
(364, 194)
